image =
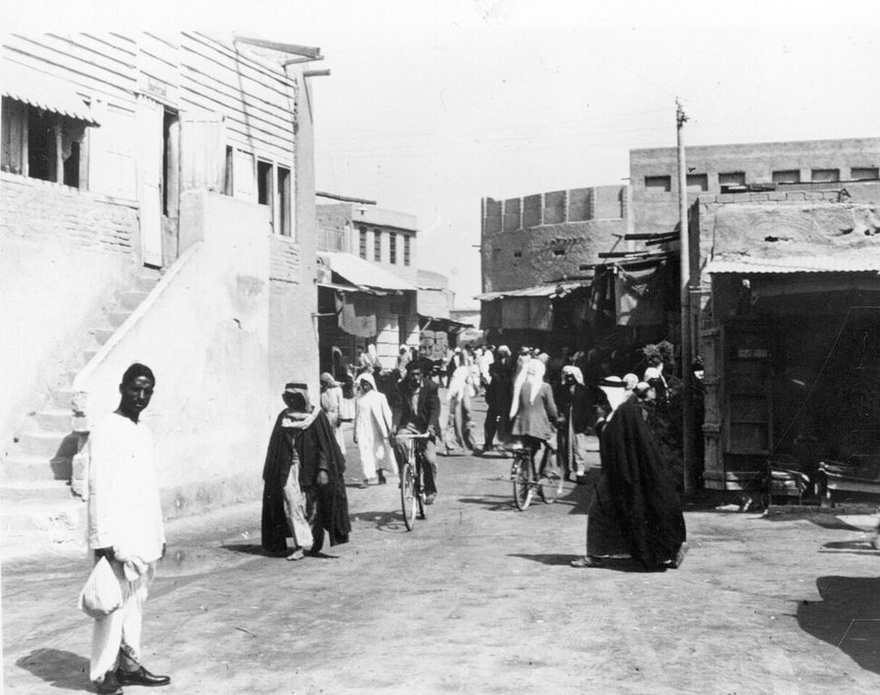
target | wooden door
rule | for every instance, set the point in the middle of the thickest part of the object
(150, 116)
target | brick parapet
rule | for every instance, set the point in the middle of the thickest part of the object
(42, 210)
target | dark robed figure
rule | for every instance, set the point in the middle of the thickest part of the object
(304, 486)
(636, 510)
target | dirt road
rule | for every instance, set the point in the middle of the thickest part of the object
(479, 598)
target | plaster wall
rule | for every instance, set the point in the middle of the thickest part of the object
(293, 330)
(527, 257)
(656, 211)
(64, 253)
(550, 236)
(435, 302)
(205, 333)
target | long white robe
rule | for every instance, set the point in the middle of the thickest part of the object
(372, 426)
(124, 513)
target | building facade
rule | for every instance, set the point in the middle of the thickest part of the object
(539, 249)
(789, 329)
(369, 294)
(784, 260)
(157, 206)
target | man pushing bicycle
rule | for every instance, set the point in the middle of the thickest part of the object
(417, 410)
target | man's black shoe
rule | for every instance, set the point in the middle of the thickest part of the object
(109, 686)
(141, 677)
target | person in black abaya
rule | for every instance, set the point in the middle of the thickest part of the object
(304, 485)
(636, 511)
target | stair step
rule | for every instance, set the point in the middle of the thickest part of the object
(102, 335)
(54, 420)
(131, 299)
(117, 318)
(51, 445)
(146, 281)
(88, 355)
(24, 468)
(63, 398)
(14, 491)
(59, 521)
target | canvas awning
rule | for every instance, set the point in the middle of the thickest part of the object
(436, 323)
(362, 274)
(559, 289)
(863, 262)
(43, 91)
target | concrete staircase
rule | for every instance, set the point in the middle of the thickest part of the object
(36, 501)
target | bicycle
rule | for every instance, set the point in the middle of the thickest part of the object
(412, 481)
(526, 482)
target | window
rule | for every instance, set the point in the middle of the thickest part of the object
(43, 144)
(658, 184)
(406, 249)
(697, 182)
(377, 246)
(362, 251)
(264, 183)
(732, 178)
(392, 247)
(558, 252)
(825, 175)
(790, 176)
(517, 254)
(284, 216)
(865, 173)
(227, 173)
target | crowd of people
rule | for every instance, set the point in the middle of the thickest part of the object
(550, 405)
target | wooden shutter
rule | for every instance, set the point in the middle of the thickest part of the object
(202, 151)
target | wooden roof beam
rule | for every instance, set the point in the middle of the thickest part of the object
(295, 49)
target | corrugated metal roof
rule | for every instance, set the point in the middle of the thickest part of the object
(560, 288)
(867, 262)
(363, 273)
(43, 92)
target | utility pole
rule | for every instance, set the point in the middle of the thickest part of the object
(687, 373)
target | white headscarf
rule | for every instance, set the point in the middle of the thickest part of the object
(616, 394)
(535, 377)
(366, 376)
(575, 372)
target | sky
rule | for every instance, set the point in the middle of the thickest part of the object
(432, 105)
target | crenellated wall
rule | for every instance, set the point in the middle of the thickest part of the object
(552, 236)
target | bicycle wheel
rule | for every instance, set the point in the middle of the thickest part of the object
(420, 490)
(522, 482)
(408, 496)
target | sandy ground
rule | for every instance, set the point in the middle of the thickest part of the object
(479, 598)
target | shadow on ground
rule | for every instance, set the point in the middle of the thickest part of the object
(847, 617)
(555, 559)
(383, 520)
(492, 503)
(58, 668)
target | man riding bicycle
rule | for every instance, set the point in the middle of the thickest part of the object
(418, 411)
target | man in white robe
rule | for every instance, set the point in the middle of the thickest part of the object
(125, 526)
